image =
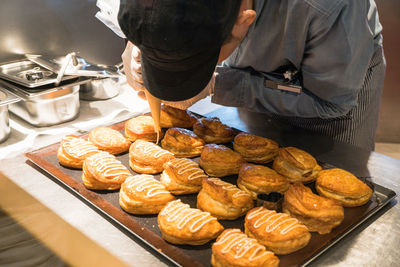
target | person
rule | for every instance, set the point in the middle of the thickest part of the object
(314, 64)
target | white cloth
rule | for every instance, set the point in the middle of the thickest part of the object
(108, 14)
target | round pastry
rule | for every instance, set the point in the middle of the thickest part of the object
(141, 127)
(142, 194)
(343, 186)
(258, 179)
(108, 139)
(182, 142)
(73, 151)
(235, 249)
(223, 200)
(255, 148)
(102, 171)
(296, 164)
(182, 176)
(318, 213)
(278, 232)
(147, 157)
(180, 224)
(219, 160)
(174, 117)
(212, 130)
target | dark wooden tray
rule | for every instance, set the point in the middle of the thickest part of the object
(146, 229)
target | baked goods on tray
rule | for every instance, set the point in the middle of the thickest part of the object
(102, 171)
(255, 148)
(174, 117)
(180, 224)
(296, 164)
(108, 139)
(147, 157)
(343, 186)
(182, 142)
(143, 194)
(219, 160)
(182, 176)
(318, 213)
(212, 130)
(74, 150)
(234, 248)
(223, 200)
(141, 127)
(278, 232)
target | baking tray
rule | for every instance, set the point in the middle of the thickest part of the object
(146, 228)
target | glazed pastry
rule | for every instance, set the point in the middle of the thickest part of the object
(223, 200)
(102, 171)
(235, 249)
(143, 194)
(219, 160)
(180, 224)
(296, 164)
(255, 148)
(278, 232)
(318, 213)
(212, 130)
(343, 186)
(108, 139)
(173, 117)
(182, 176)
(141, 127)
(258, 179)
(148, 158)
(74, 150)
(182, 142)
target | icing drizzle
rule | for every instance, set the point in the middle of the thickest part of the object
(187, 165)
(229, 187)
(108, 165)
(151, 148)
(144, 182)
(78, 146)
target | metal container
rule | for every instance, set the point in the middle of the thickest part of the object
(5, 100)
(99, 89)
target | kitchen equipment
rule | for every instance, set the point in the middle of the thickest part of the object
(6, 98)
(99, 89)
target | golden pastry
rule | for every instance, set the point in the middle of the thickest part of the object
(235, 249)
(182, 176)
(278, 232)
(212, 130)
(102, 171)
(141, 127)
(110, 140)
(343, 186)
(255, 148)
(180, 224)
(148, 158)
(223, 200)
(296, 164)
(174, 117)
(258, 179)
(318, 213)
(74, 150)
(143, 194)
(219, 160)
(182, 142)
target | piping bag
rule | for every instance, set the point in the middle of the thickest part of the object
(155, 107)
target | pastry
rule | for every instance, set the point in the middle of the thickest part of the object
(173, 117)
(212, 130)
(343, 186)
(102, 171)
(141, 127)
(219, 160)
(143, 194)
(258, 179)
(318, 213)
(180, 224)
(255, 148)
(235, 249)
(74, 150)
(182, 142)
(147, 157)
(182, 176)
(223, 200)
(110, 140)
(296, 164)
(278, 232)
